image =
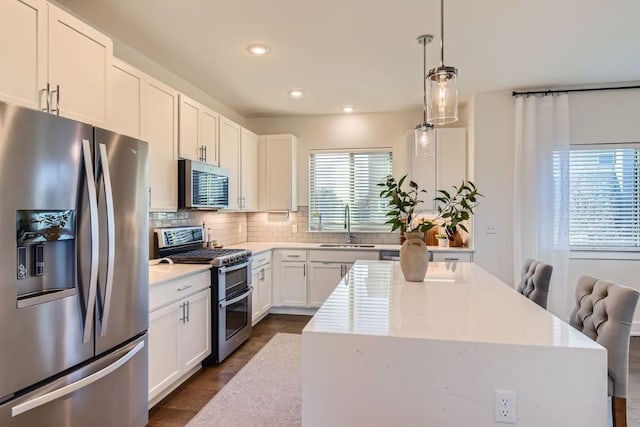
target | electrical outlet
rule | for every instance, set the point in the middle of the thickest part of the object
(505, 406)
(294, 228)
(491, 229)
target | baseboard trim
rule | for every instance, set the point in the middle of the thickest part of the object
(293, 310)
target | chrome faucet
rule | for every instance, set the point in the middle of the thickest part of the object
(347, 222)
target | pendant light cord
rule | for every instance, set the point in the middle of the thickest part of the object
(424, 81)
(441, 33)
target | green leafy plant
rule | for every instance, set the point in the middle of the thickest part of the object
(441, 236)
(457, 206)
(403, 204)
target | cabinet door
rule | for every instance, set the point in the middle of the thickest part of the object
(165, 338)
(209, 135)
(160, 130)
(80, 65)
(266, 290)
(255, 295)
(230, 157)
(323, 279)
(189, 129)
(279, 164)
(451, 156)
(126, 99)
(196, 342)
(293, 285)
(249, 181)
(23, 52)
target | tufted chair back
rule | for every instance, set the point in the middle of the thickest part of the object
(604, 312)
(536, 276)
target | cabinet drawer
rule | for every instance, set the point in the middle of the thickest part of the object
(260, 260)
(452, 256)
(342, 256)
(293, 255)
(175, 290)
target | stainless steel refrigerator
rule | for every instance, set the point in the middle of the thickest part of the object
(73, 273)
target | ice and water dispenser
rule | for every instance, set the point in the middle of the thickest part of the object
(46, 260)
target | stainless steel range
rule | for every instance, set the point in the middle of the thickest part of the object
(230, 285)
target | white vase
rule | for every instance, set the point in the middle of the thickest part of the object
(414, 257)
(443, 243)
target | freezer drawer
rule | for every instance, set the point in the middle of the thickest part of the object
(110, 391)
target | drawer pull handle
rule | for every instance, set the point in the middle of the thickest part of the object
(293, 256)
(452, 259)
(184, 288)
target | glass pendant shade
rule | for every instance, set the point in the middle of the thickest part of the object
(442, 96)
(425, 140)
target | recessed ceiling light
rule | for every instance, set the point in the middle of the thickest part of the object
(296, 93)
(259, 49)
(347, 109)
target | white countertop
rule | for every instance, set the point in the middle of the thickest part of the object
(456, 302)
(162, 273)
(257, 247)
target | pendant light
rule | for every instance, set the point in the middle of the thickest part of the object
(442, 107)
(425, 135)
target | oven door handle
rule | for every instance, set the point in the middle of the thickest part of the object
(228, 269)
(223, 304)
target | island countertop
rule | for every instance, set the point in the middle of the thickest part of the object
(384, 351)
(456, 301)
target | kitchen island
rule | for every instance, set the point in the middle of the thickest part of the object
(382, 351)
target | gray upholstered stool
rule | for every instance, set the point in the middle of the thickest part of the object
(536, 276)
(604, 312)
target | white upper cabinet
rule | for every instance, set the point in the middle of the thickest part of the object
(23, 52)
(249, 171)
(446, 168)
(49, 48)
(230, 140)
(189, 129)
(160, 129)
(277, 173)
(239, 154)
(209, 120)
(126, 98)
(198, 132)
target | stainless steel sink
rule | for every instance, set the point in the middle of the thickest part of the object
(338, 245)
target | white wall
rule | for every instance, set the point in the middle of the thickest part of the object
(491, 151)
(343, 131)
(595, 117)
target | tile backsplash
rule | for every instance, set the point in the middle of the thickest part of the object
(280, 227)
(230, 228)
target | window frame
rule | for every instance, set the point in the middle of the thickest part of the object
(356, 227)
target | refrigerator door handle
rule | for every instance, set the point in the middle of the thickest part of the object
(68, 389)
(93, 214)
(111, 237)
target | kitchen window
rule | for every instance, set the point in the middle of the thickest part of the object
(340, 177)
(604, 197)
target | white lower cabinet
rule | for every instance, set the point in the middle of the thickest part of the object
(261, 298)
(323, 279)
(293, 284)
(179, 332)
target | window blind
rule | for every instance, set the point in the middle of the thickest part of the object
(348, 177)
(604, 196)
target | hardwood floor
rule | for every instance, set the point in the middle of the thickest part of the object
(633, 389)
(185, 402)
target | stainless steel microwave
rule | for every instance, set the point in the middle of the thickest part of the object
(202, 186)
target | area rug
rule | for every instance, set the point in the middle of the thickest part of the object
(266, 392)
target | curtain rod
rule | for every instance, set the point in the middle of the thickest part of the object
(593, 89)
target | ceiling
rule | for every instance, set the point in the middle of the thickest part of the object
(364, 52)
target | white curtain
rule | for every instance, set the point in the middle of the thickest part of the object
(541, 192)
